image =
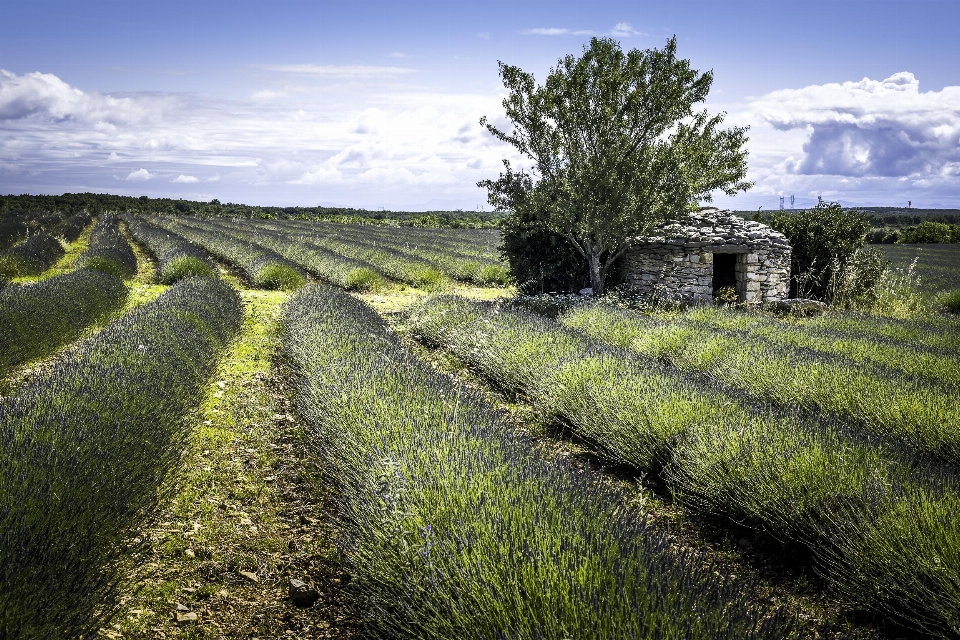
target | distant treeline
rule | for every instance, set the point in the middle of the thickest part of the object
(95, 203)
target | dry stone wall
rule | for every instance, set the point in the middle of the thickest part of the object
(679, 261)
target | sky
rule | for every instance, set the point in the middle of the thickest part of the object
(377, 104)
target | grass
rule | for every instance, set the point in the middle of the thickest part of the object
(238, 505)
(936, 264)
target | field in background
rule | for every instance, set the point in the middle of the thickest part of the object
(938, 265)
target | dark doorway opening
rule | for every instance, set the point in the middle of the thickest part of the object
(724, 272)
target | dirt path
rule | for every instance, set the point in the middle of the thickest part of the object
(245, 517)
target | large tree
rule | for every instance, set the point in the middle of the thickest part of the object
(615, 148)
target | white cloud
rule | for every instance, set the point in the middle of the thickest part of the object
(182, 179)
(398, 54)
(624, 30)
(879, 128)
(337, 71)
(44, 96)
(140, 175)
(557, 31)
(867, 141)
(483, 35)
(619, 30)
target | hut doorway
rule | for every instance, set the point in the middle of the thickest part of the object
(724, 273)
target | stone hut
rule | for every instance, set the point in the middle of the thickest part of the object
(691, 260)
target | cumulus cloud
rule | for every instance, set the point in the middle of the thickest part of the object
(44, 96)
(182, 179)
(871, 128)
(139, 175)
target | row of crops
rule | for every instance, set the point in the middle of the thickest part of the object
(37, 318)
(871, 489)
(353, 257)
(455, 527)
(837, 433)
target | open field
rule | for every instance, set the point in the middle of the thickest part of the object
(221, 428)
(938, 265)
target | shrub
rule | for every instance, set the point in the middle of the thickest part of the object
(927, 232)
(278, 276)
(31, 257)
(263, 268)
(805, 478)
(86, 447)
(37, 318)
(109, 251)
(951, 301)
(362, 279)
(541, 261)
(824, 240)
(453, 527)
(858, 284)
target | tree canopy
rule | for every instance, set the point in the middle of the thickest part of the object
(615, 148)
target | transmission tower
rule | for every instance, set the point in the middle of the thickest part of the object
(791, 202)
(781, 203)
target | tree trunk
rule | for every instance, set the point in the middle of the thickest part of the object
(596, 276)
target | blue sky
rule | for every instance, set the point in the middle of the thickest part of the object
(376, 104)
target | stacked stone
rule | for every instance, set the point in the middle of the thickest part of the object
(676, 262)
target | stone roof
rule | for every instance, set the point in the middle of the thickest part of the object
(716, 230)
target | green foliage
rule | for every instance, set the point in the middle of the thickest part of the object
(541, 260)
(824, 240)
(362, 279)
(184, 266)
(951, 301)
(617, 147)
(37, 318)
(454, 527)
(87, 445)
(929, 232)
(280, 276)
